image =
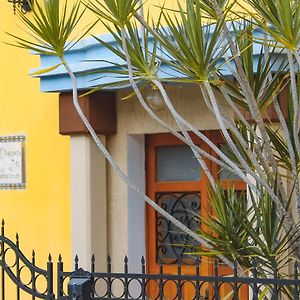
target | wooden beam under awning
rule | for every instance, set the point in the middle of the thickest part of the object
(99, 108)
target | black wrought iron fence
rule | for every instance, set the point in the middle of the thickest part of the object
(162, 286)
(23, 273)
(87, 285)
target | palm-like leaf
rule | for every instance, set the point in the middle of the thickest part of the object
(257, 67)
(142, 49)
(280, 19)
(51, 27)
(241, 232)
(118, 12)
(279, 142)
(226, 232)
(208, 8)
(192, 49)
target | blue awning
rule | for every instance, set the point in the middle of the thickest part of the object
(89, 55)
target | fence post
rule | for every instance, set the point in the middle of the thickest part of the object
(109, 282)
(197, 293)
(33, 273)
(254, 273)
(60, 269)
(296, 290)
(126, 288)
(235, 278)
(143, 279)
(216, 274)
(179, 278)
(18, 266)
(80, 285)
(2, 263)
(93, 260)
(76, 260)
(161, 282)
(50, 278)
(275, 291)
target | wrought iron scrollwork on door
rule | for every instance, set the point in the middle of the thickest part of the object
(171, 245)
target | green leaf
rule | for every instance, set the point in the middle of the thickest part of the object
(46, 70)
(51, 26)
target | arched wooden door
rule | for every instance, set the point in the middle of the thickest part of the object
(177, 183)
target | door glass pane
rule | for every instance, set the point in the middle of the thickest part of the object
(172, 245)
(176, 163)
(224, 173)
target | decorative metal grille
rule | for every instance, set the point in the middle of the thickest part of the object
(142, 286)
(28, 278)
(171, 245)
(139, 286)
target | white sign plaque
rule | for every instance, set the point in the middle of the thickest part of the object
(12, 163)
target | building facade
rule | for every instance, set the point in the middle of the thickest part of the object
(40, 212)
(73, 197)
(108, 217)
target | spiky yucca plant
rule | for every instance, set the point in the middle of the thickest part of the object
(199, 50)
(200, 43)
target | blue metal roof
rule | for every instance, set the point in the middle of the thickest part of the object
(83, 57)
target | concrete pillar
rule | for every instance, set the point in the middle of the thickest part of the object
(88, 202)
(136, 204)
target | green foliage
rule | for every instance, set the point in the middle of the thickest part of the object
(208, 8)
(192, 50)
(118, 12)
(143, 52)
(51, 26)
(280, 19)
(257, 71)
(242, 231)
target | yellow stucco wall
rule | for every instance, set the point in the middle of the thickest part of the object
(41, 213)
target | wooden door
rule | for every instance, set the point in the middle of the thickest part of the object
(177, 183)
